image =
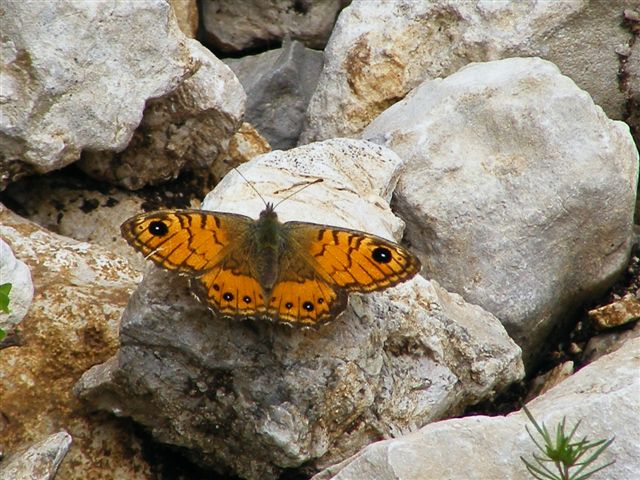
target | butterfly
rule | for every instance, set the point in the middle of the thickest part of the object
(295, 272)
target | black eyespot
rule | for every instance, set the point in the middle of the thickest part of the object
(288, 305)
(228, 296)
(320, 300)
(308, 306)
(158, 229)
(381, 255)
(216, 287)
(246, 299)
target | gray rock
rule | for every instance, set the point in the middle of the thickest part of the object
(15, 272)
(235, 25)
(80, 292)
(39, 461)
(76, 76)
(603, 396)
(187, 129)
(279, 84)
(379, 51)
(256, 399)
(519, 191)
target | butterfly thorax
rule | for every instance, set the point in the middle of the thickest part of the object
(269, 244)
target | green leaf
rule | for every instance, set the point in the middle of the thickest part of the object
(5, 288)
(563, 452)
(2, 334)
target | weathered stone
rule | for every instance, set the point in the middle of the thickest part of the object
(618, 312)
(603, 396)
(187, 129)
(186, 12)
(379, 51)
(234, 25)
(245, 144)
(39, 461)
(279, 84)
(608, 342)
(80, 292)
(15, 272)
(255, 398)
(77, 75)
(519, 191)
(68, 206)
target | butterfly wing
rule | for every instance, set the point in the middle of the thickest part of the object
(210, 248)
(190, 241)
(322, 264)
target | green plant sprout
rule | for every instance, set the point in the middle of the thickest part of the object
(565, 453)
(5, 288)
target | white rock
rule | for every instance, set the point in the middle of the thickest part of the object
(80, 293)
(187, 129)
(603, 395)
(233, 25)
(519, 191)
(259, 398)
(77, 75)
(39, 461)
(16, 273)
(379, 51)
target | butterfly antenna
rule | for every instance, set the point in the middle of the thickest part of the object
(307, 184)
(251, 185)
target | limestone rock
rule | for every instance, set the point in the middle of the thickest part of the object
(257, 399)
(604, 395)
(279, 84)
(76, 76)
(186, 12)
(39, 461)
(519, 191)
(187, 129)
(234, 25)
(66, 205)
(15, 272)
(245, 144)
(379, 51)
(80, 292)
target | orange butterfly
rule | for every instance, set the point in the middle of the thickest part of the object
(295, 272)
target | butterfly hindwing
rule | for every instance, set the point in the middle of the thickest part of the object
(231, 293)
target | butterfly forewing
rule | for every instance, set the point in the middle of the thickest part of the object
(353, 260)
(190, 241)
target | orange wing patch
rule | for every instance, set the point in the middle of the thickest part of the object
(353, 260)
(305, 302)
(231, 294)
(184, 240)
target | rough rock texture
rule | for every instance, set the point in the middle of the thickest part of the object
(257, 399)
(76, 76)
(15, 272)
(80, 292)
(279, 84)
(630, 75)
(245, 144)
(519, 191)
(379, 51)
(66, 205)
(39, 461)
(604, 395)
(187, 129)
(234, 25)
(186, 12)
